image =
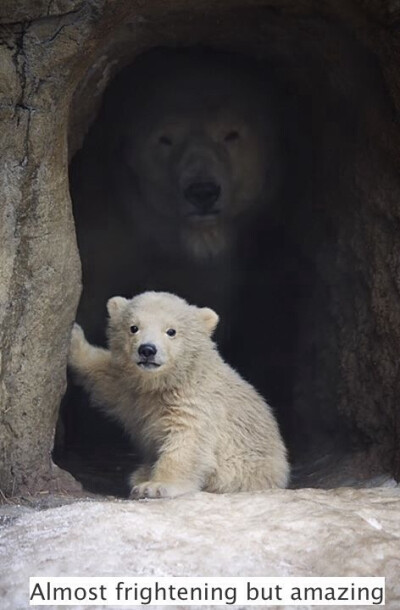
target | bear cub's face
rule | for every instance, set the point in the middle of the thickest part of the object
(156, 333)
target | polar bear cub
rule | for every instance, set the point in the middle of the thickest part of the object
(198, 424)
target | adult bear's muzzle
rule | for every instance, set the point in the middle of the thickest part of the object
(203, 196)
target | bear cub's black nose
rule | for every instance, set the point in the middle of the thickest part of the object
(147, 349)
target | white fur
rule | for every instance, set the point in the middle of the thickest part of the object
(197, 422)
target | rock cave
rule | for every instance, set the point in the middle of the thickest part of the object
(321, 270)
(315, 276)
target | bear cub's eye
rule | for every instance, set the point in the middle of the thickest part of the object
(231, 136)
(134, 329)
(165, 140)
(171, 332)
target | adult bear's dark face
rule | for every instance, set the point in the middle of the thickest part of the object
(204, 149)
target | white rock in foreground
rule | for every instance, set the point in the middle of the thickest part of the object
(307, 532)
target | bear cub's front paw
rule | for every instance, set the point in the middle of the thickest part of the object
(150, 489)
(76, 346)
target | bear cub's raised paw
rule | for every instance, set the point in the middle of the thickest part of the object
(77, 344)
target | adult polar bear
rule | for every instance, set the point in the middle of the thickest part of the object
(201, 140)
(187, 153)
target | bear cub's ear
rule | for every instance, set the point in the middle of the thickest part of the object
(115, 305)
(209, 318)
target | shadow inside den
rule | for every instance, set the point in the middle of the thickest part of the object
(218, 177)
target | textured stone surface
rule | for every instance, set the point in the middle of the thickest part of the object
(40, 269)
(344, 532)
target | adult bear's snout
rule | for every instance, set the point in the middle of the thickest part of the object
(203, 195)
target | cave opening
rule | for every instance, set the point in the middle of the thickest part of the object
(290, 271)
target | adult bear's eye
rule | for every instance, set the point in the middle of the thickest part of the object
(165, 140)
(134, 329)
(231, 136)
(171, 332)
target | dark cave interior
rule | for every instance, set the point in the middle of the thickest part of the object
(298, 312)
